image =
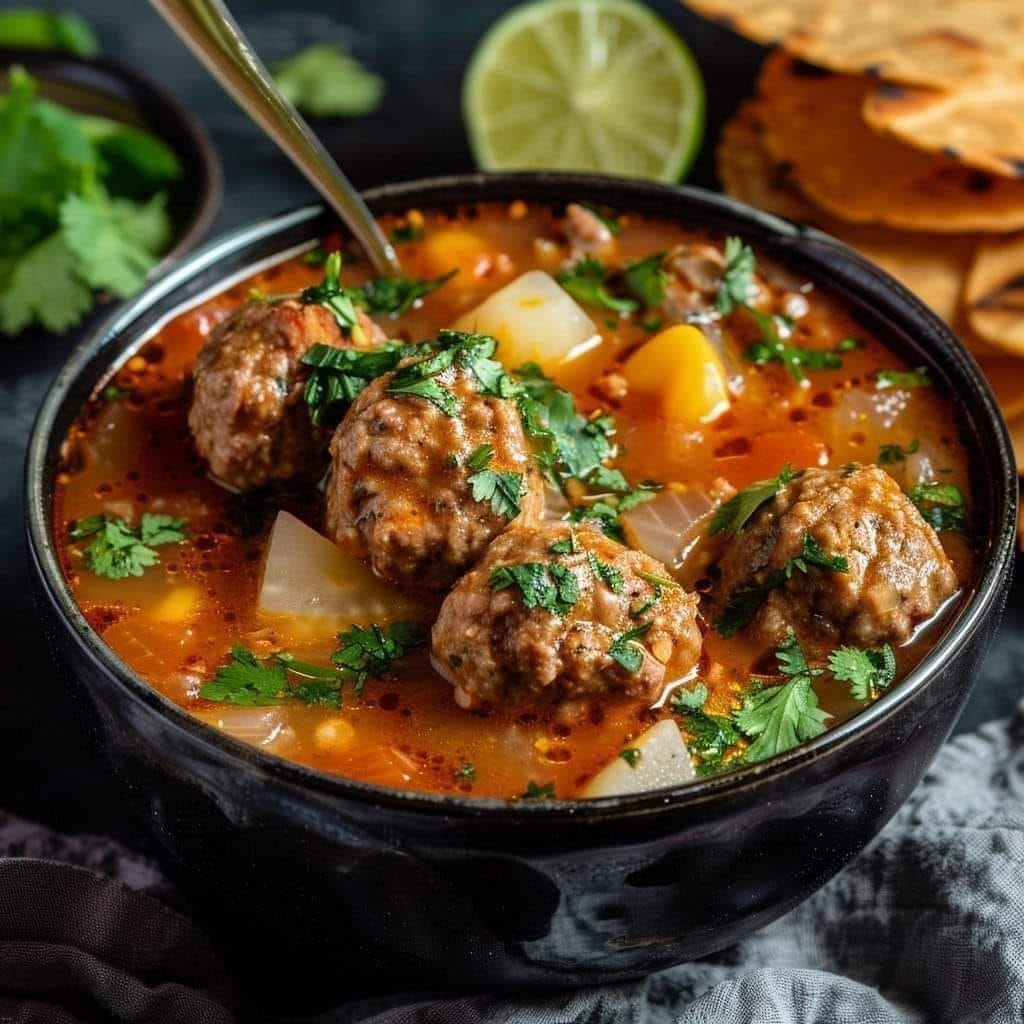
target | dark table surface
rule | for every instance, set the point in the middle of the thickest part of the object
(48, 771)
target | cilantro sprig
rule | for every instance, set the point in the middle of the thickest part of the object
(866, 670)
(586, 280)
(546, 585)
(397, 295)
(771, 348)
(904, 379)
(627, 650)
(502, 489)
(118, 550)
(893, 454)
(737, 286)
(734, 515)
(942, 506)
(647, 279)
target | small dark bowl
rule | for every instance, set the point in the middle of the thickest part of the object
(103, 87)
(364, 886)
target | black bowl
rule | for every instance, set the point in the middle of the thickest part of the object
(376, 886)
(108, 89)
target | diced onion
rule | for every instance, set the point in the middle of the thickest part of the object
(308, 581)
(661, 760)
(259, 727)
(668, 526)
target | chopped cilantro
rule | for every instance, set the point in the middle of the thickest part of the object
(372, 650)
(684, 701)
(407, 233)
(867, 671)
(606, 573)
(338, 375)
(737, 278)
(778, 718)
(247, 681)
(549, 586)
(534, 791)
(737, 511)
(631, 755)
(772, 349)
(502, 489)
(466, 771)
(118, 550)
(397, 295)
(942, 506)
(891, 454)
(743, 605)
(606, 479)
(585, 282)
(323, 80)
(708, 737)
(567, 546)
(626, 650)
(331, 294)
(906, 379)
(481, 458)
(647, 280)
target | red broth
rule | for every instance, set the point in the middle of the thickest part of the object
(130, 452)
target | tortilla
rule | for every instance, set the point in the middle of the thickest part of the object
(933, 267)
(981, 124)
(937, 43)
(994, 293)
(813, 122)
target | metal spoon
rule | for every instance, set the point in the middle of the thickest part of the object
(213, 35)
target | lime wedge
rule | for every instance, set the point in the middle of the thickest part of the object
(584, 85)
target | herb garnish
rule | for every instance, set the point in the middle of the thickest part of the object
(247, 681)
(743, 605)
(778, 718)
(537, 792)
(631, 755)
(737, 284)
(647, 280)
(338, 299)
(407, 233)
(397, 295)
(466, 771)
(606, 573)
(942, 506)
(906, 379)
(891, 454)
(502, 489)
(625, 649)
(585, 282)
(708, 736)
(772, 349)
(867, 671)
(371, 651)
(549, 586)
(737, 511)
(567, 546)
(118, 550)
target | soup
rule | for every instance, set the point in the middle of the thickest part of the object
(584, 504)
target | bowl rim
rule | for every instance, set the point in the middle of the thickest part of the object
(146, 96)
(985, 600)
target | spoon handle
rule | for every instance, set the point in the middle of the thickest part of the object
(213, 35)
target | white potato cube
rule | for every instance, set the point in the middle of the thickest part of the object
(535, 320)
(306, 577)
(662, 761)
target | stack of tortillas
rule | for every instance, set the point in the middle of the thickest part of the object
(898, 127)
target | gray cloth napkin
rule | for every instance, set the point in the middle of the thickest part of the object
(927, 925)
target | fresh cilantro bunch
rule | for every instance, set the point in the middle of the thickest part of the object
(81, 209)
(117, 550)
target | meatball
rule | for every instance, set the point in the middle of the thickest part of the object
(896, 575)
(402, 481)
(586, 233)
(507, 644)
(247, 416)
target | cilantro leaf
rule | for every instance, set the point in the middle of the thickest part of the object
(631, 755)
(566, 546)
(481, 458)
(737, 511)
(534, 791)
(118, 550)
(406, 233)
(684, 701)
(778, 718)
(942, 506)
(331, 294)
(708, 737)
(627, 651)
(247, 681)
(772, 349)
(737, 278)
(907, 379)
(606, 573)
(891, 454)
(647, 279)
(397, 295)
(467, 771)
(372, 650)
(867, 671)
(814, 555)
(429, 389)
(551, 587)
(502, 489)
(325, 81)
(318, 693)
(585, 282)
(605, 478)
(43, 285)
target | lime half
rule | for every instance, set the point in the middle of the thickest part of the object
(584, 85)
